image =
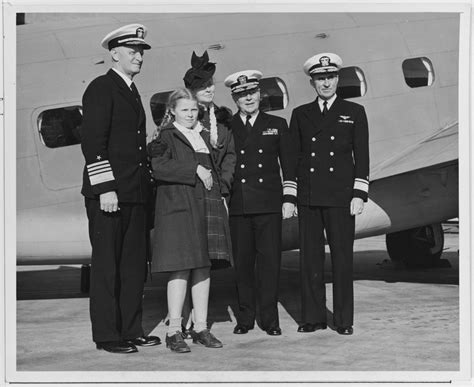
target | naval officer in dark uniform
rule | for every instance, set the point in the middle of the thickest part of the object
(333, 183)
(117, 188)
(259, 201)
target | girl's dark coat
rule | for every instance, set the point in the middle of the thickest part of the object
(180, 239)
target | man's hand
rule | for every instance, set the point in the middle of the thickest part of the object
(288, 210)
(109, 202)
(357, 206)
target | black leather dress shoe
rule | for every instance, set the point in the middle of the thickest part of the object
(176, 343)
(309, 327)
(117, 346)
(145, 341)
(241, 329)
(345, 330)
(206, 338)
(273, 331)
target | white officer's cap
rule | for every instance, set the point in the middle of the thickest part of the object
(129, 35)
(322, 63)
(243, 80)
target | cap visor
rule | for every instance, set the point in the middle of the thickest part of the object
(135, 43)
(324, 71)
(250, 89)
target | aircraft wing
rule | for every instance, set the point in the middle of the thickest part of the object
(439, 148)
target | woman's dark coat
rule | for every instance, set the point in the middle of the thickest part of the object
(224, 153)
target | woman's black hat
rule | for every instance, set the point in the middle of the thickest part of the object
(200, 72)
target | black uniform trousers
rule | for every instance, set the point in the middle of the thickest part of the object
(256, 243)
(340, 227)
(118, 270)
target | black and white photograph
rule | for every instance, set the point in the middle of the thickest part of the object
(237, 193)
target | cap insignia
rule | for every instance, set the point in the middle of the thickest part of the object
(140, 33)
(242, 79)
(324, 60)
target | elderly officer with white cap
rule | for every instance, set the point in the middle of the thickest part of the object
(258, 202)
(333, 182)
(117, 189)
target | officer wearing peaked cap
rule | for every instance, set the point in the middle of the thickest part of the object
(117, 189)
(258, 202)
(331, 135)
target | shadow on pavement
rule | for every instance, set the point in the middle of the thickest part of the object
(64, 282)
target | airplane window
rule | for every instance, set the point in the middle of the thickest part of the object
(20, 19)
(418, 72)
(158, 106)
(60, 127)
(352, 82)
(274, 94)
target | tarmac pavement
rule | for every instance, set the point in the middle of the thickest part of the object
(405, 320)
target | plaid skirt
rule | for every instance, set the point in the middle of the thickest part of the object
(217, 221)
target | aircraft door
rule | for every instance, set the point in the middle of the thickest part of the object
(57, 140)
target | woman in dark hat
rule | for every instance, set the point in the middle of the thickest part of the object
(215, 120)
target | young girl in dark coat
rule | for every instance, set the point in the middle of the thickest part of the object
(191, 226)
(215, 121)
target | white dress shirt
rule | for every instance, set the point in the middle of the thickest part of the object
(252, 119)
(330, 102)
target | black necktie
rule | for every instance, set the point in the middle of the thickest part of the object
(135, 91)
(325, 108)
(248, 125)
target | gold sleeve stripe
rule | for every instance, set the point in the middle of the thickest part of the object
(290, 187)
(361, 185)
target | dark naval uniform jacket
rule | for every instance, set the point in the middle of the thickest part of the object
(257, 186)
(114, 148)
(333, 168)
(333, 159)
(114, 141)
(256, 213)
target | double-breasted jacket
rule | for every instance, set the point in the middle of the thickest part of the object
(258, 186)
(114, 141)
(333, 153)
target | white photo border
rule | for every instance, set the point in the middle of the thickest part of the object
(466, 166)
